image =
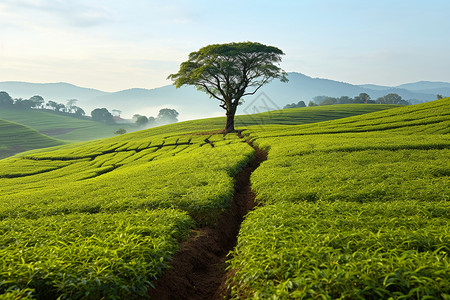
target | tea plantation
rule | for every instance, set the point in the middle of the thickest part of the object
(62, 127)
(16, 138)
(357, 208)
(103, 218)
(350, 208)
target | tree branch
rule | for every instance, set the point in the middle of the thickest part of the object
(211, 93)
(252, 93)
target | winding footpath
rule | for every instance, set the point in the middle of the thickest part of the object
(198, 269)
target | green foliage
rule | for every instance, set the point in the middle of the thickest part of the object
(356, 208)
(89, 256)
(103, 218)
(392, 99)
(15, 138)
(359, 176)
(120, 131)
(5, 100)
(339, 250)
(227, 71)
(183, 172)
(167, 116)
(294, 116)
(15, 294)
(300, 103)
(61, 126)
(102, 115)
(141, 121)
(229, 60)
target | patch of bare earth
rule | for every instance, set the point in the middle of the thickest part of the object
(198, 269)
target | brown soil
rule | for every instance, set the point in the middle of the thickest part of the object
(198, 269)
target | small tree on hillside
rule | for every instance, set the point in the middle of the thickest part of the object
(78, 111)
(329, 101)
(226, 71)
(167, 116)
(362, 98)
(71, 105)
(141, 121)
(120, 131)
(60, 107)
(102, 115)
(23, 103)
(37, 101)
(51, 104)
(390, 99)
(5, 100)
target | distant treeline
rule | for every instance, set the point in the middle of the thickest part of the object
(37, 102)
(165, 116)
(362, 98)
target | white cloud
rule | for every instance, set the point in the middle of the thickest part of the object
(70, 12)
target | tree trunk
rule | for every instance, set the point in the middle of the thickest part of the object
(231, 111)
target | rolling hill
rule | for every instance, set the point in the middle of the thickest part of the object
(424, 85)
(72, 129)
(62, 127)
(16, 138)
(356, 207)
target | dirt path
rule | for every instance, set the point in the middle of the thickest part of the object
(198, 268)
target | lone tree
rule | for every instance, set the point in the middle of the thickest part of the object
(226, 71)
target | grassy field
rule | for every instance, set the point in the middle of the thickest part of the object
(62, 127)
(72, 129)
(293, 116)
(15, 138)
(350, 208)
(103, 218)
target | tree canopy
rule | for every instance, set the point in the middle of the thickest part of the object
(392, 99)
(102, 115)
(228, 72)
(5, 99)
(167, 116)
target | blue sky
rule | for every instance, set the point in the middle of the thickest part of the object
(113, 45)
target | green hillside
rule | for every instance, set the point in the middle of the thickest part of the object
(356, 208)
(292, 116)
(352, 208)
(60, 126)
(73, 129)
(16, 138)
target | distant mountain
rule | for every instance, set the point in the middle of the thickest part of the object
(442, 91)
(192, 104)
(375, 87)
(425, 85)
(59, 92)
